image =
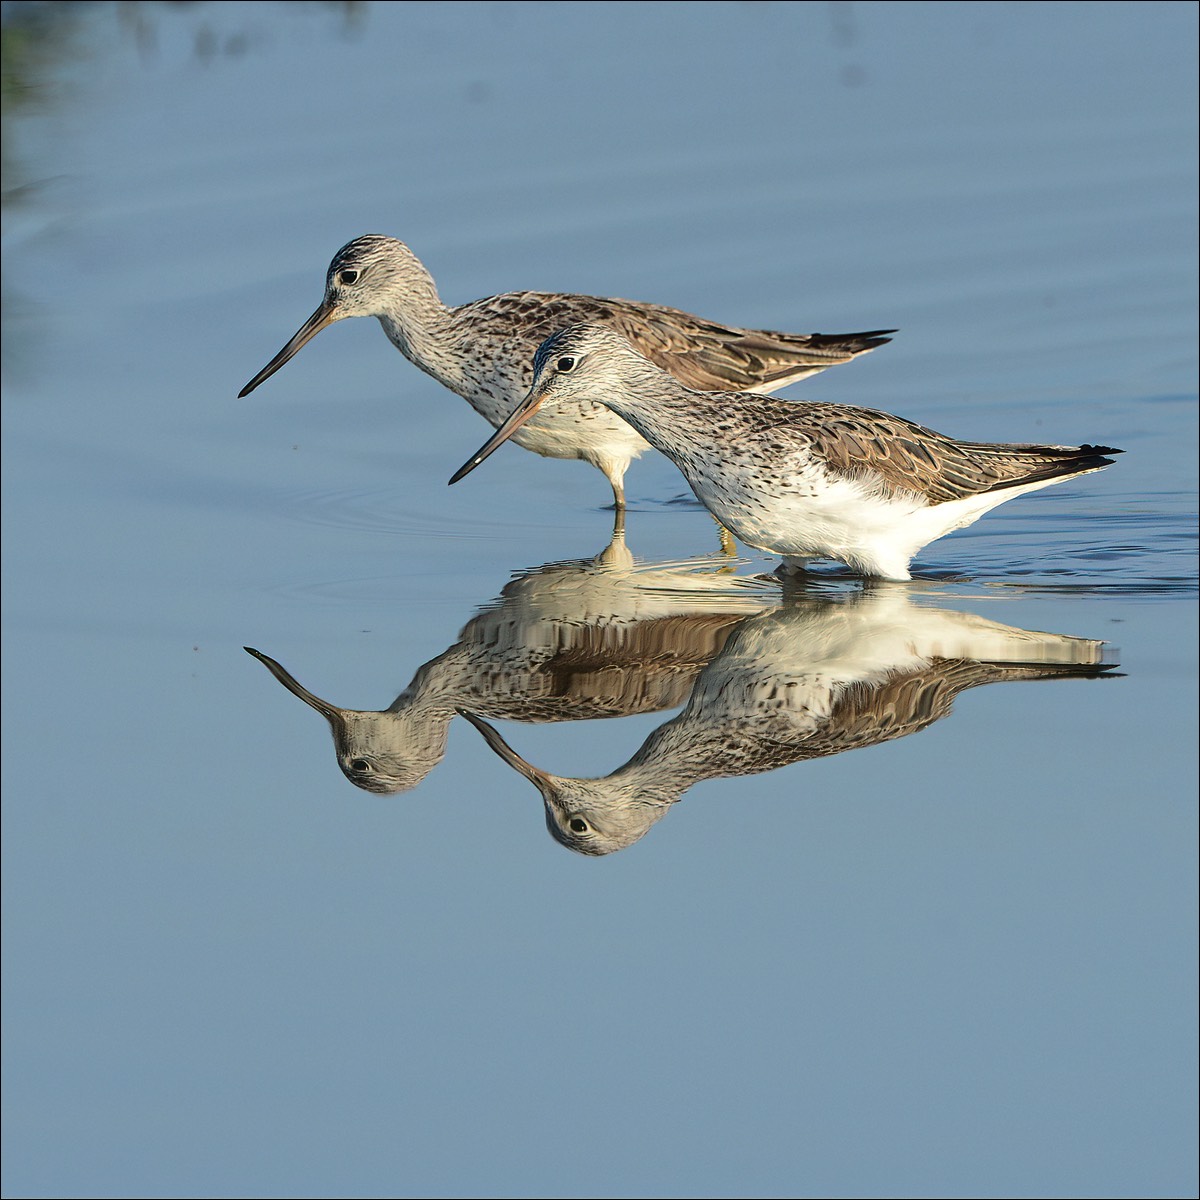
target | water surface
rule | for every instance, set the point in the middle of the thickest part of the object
(957, 959)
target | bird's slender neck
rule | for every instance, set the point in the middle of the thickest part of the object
(418, 324)
(658, 406)
(675, 757)
(443, 685)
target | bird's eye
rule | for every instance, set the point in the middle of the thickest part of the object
(347, 277)
(565, 364)
(360, 766)
(579, 825)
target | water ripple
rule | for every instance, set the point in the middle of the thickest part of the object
(384, 510)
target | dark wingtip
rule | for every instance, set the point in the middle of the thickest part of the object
(857, 342)
(1097, 456)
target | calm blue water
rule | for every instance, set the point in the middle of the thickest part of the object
(848, 963)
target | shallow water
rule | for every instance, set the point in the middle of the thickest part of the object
(880, 947)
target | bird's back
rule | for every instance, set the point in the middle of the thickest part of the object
(705, 355)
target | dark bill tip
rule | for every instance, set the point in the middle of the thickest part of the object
(467, 468)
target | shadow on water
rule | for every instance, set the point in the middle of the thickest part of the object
(769, 676)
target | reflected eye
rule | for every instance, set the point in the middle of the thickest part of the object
(565, 364)
(579, 825)
(347, 277)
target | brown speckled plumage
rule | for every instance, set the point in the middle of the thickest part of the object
(484, 350)
(803, 480)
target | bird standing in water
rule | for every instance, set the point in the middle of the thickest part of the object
(801, 480)
(484, 350)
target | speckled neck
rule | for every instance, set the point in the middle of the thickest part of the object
(417, 323)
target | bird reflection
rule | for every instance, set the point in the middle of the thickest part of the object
(814, 678)
(569, 641)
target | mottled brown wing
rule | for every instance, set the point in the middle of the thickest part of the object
(701, 354)
(711, 357)
(910, 457)
(526, 319)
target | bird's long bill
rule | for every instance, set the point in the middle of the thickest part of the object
(506, 752)
(325, 315)
(516, 419)
(330, 712)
